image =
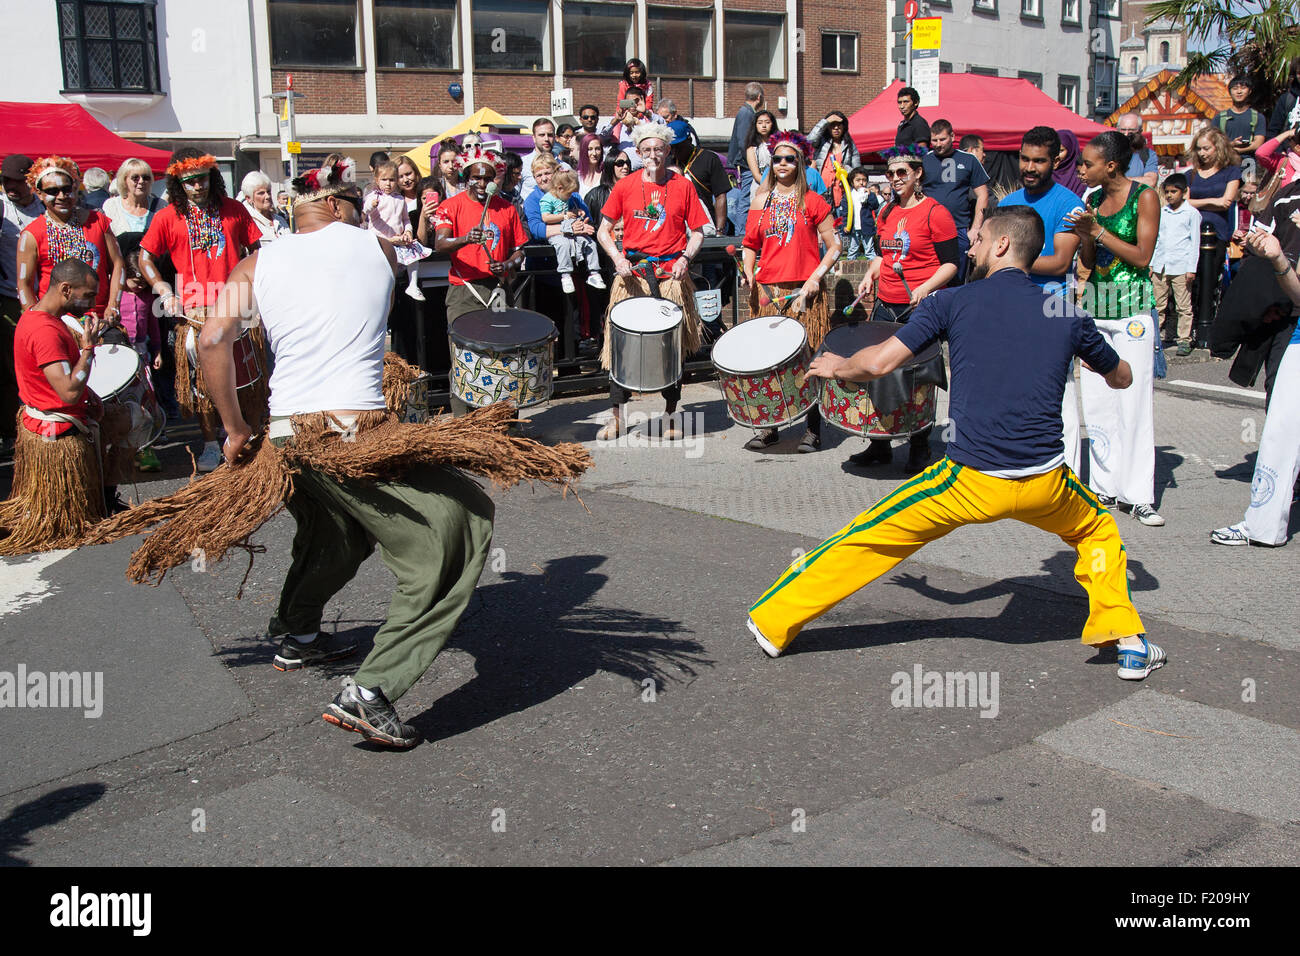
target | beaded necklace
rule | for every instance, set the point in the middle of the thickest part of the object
(204, 228)
(780, 215)
(66, 240)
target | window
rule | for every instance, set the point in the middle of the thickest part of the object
(1104, 83)
(598, 37)
(1164, 52)
(986, 6)
(1067, 92)
(1034, 78)
(512, 35)
(840, 52)
(1108, 9)
(1031, 9)
(680, 41)
(945, 66)
(108, 47)
(1070, 13)
(755, 45)
(417, 34)
(983, 70)
(1133, 64)
(314, 33)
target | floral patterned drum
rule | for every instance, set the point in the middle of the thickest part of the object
(763, 372)
(502, 356)
(903, 404)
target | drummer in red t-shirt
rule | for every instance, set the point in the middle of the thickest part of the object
(663, 226)
(205, 235)
(57, 492)
(484, 237)
(66, 231)
(917, 240)
(787, 226)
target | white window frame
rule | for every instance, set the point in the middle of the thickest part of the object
(455, 46)
(840, 68)
(547, 46)
(1071, 84)
(1031, 9)
(1066, 18)
(632, 34)
(779, 57)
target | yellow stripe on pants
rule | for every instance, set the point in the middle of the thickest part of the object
(942, 498)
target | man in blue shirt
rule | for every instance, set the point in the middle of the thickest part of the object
(956, 181)
(1144, 167)
(1052, 201)
(1004, 461)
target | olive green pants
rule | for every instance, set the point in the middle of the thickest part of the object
(433, 530)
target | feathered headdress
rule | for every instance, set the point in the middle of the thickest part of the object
(915, 155)
(197, 164)
(324, 182)
(791, 138)
(52, 164)
(478, 153)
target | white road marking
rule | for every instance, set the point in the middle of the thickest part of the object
(1227, 389)
(22, 583)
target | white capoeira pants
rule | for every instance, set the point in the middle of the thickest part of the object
(1121, 422)
(1070, 419)
(1278, 461)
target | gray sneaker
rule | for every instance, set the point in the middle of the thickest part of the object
(376, 720)
(1148, 516)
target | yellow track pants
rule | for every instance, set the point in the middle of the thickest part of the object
(943, 497)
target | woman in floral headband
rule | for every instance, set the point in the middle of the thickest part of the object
(205, 234)
(917, 240)
(787, 225)
(66, 231)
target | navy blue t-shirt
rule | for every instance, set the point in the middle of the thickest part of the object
(949, 182)
(1010, 345)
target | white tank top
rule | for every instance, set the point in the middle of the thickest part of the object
(324, 299)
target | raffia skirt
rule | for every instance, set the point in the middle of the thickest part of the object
(816, 318)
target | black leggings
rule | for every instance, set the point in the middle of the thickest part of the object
(621, 396)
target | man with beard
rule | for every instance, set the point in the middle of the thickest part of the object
(991, 472)
(1052, 201)
(1143, 167)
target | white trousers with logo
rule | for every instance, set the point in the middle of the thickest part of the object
(1278, 461)
(1121, 422)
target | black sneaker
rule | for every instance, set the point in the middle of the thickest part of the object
(327, 647)
(918, 459)
(876, 454)
(763, 439)
(376, 720)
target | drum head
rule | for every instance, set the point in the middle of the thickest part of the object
(759, 344)
(846, 339)
(492, 331)
(645, 313)
(115, 366)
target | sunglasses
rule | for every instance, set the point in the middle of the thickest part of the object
(61, 191)
(785, 159)
(136, 177)
(590, 116)
(898, 174)
(622, 162)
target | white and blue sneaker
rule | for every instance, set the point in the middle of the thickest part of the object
(770, 649)
(1136, 664)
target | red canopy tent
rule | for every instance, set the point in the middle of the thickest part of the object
(1000, 110)
(65, 129)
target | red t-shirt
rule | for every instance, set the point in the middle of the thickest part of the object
(787, 251)
(460, 214)
(909, 236)
(200, 274)
(655, 217)
(42, 339)
(95, 229)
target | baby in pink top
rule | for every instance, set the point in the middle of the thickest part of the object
(384, 212)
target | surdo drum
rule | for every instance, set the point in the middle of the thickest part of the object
(763, 372)
(248, 363)
(907, 405)
(121, 379)
(502, 356)
(645, 348)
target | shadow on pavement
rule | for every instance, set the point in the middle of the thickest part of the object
(41, 812)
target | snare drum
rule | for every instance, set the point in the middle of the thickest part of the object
(248, 361)
(121, 378)
(645, 347)
(502, 356)
(763, 372)
(848, 405)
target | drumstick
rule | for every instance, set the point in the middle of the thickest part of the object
(898, 271)
(852, 305)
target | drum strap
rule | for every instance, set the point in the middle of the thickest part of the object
(59, 417)
(491, 298)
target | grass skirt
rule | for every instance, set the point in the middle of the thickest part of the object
(57, 494)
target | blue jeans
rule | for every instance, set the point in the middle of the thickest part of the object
(738, 202)
(963, 246)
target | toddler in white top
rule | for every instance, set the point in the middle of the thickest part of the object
(557, 205)
(384, 212)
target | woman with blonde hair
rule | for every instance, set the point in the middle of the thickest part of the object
(131, 210)
(1213, 182)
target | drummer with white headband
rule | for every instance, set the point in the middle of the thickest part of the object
(663, 223)
(481, 232)
(787, 226)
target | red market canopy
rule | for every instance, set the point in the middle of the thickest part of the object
(998, 109)
(65, 129)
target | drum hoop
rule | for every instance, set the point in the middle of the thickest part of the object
(138, 370)
(634, 298)
(730, 371)
(464, 341)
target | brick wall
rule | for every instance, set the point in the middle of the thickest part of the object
(415, 91)
(515, 94)
(733, 96)
(819, 91)
(326, 91)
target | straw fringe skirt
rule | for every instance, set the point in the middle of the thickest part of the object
(816, 318)
(680, 291)
(57, 493)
